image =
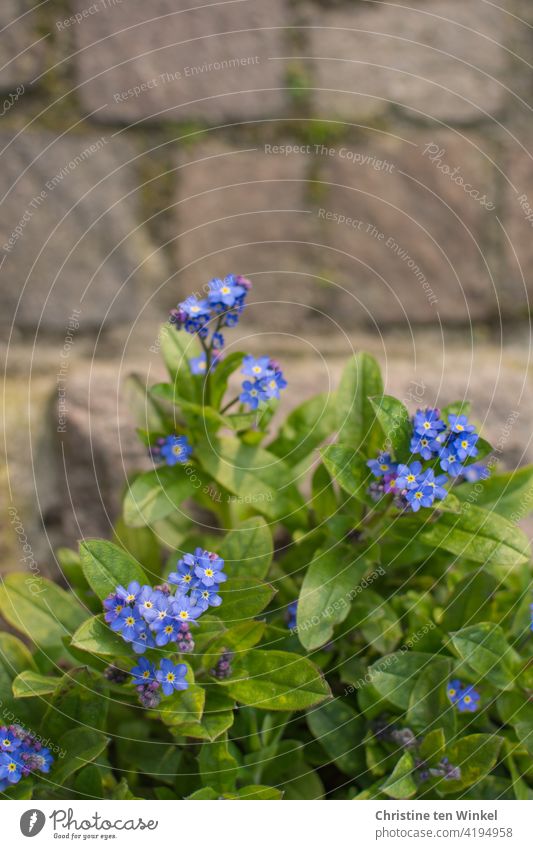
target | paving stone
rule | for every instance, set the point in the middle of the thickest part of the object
(438, 59)
(158, 62)
(69, 219)
(248, 212)
(21, 51)
(407, 243)
(518, 192)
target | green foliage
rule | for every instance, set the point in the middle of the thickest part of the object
(348, 697)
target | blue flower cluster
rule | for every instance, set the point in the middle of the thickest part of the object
(169, 677)
(21, 753)
(264, 380)
(171, 450)
(152, 617)
(466, 699)
(223, 305)
(444, 446)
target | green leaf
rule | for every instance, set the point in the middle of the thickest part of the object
(81, 698)
(476, 755)
(178, 348)
(328, 590)
(243, 598)
(238, 639)
(401, 783)
(433, 747)
(324, 498)
(14, 659)
(155, 495)
(394, 676)
(356, 420)
(184, 706)
(340, 732)
(29, 683)
(217, 717)
(197, 414)
(396, 424)
(257, 791)
(477, 535)
(106, 566)
(248, 549)
(81, 746)
(429, 705)
(218, 768)
(510, 494)
(39, 608)
(221, 375)
(470, 601)
(276, 680)
(486, 651)
(376, 619)
(256, 476)
(96, 637)
(349, 469)
(306, 427)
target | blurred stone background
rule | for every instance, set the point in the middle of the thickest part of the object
(368, 164)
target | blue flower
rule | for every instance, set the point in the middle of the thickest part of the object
(459, 424)
(130, 594)
(113, 605)
(171, 677)
(218, 343)
(468, 701)
(166, 631)
(198, 365)
(206, 597)
(256, 368)
(454, 690)
(10, 768)
(253, 393)
(382, 466)
(147, 601)
(184, 610)
(143, 640)
(449, 461)
(143, 673)
(420, 496)
(175, 449)
(422, 445)
(274, 384)
(184, 578)
(428, 478)
(428, 423)
(292, 610)
(127, 623)
(209, 569)
(160, 610)
(225, 294)
(476, 472)
(408, 475)
(465, 445)
(8, 741)
(196, 314)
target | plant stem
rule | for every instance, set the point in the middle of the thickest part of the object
(231, 403)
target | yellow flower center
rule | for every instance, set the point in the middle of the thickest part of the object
(183, 614)
(459, 427)
(467, 700)
(12, 767)
(209, 573)
(256, 369)
(171, 677)
(225, 290)
(130, 620)
(464, 444)
(130, 598)
(146, 673)
(169, 629)
(148, 604)
(177, 449)
(427, 425)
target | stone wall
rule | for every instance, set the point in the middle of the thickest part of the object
(367, 164)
